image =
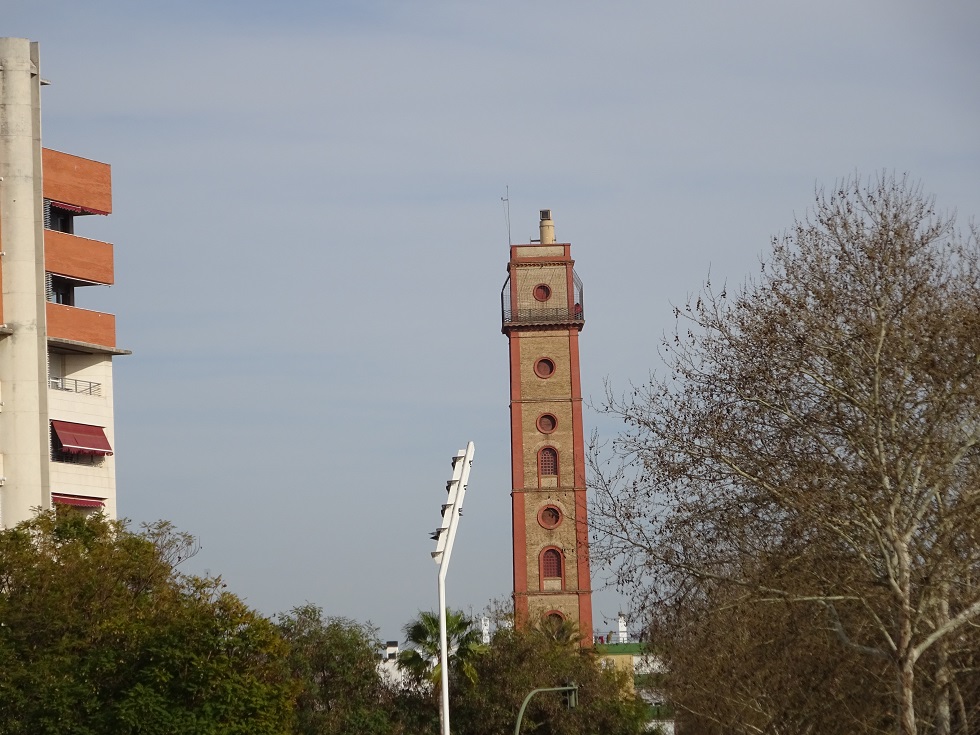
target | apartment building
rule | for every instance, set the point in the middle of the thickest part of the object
(56, 399)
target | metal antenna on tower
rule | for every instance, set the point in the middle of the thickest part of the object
(506, 201)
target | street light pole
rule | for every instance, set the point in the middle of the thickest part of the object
(444, 536)
(572, 690)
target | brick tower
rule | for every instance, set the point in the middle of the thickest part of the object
(541, 305)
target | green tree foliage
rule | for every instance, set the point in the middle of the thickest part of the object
(516, 662)
(418, 702)
(335, 660)
(558, 630)
(812, 462)
(421, 661)
(101, 634)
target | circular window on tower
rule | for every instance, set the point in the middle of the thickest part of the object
(544, 368)
(547, 423)
(549, 517)
(542, 292)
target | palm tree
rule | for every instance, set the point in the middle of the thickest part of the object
(559, 630)
(421, 662)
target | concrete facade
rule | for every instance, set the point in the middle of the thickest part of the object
(542, 317)
(55, 358)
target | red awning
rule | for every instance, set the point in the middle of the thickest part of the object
(77, 500)
(75, 208)
(81, 438)
(67, 207)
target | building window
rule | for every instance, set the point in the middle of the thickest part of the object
(551, 564)
(60, 217)
(544, 368)
(61, 291)
(60, 455)
(542, 292)
(547, 423)
(62, 221)
(548, 462)
(551, 568)
(549, 517)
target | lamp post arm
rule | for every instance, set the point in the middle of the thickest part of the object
(520, 715)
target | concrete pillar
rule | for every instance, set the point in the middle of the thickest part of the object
(24, 432)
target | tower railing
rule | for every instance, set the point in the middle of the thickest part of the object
(541, 314)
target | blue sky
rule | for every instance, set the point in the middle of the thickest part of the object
(310, 238)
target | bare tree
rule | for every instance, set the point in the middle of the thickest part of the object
(815, 443)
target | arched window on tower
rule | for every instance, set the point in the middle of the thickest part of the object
(551, 564)
(548, 462)
(552, 569)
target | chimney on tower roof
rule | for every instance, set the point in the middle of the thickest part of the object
(547, 228)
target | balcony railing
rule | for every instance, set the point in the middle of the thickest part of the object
(527, 311)
(539, 315)
(70, 385)
(77, 257)
(92, 460)
(81, 325)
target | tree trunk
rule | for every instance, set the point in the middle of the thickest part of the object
(906, 695)
(943, 678)
(964, 725)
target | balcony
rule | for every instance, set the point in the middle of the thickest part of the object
(78, 257)
(529, 312)
(536, 315)
(81, 326)
(77, 181)
(70, 385)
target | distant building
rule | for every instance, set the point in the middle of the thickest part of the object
(645, 672)
(542, 314)
(56, 398)
(388, 665)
